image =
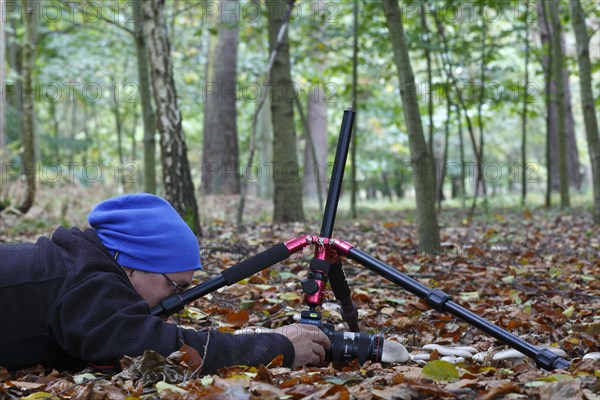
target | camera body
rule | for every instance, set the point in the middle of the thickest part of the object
(347, 346)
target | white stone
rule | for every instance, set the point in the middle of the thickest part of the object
(481, 356)
(394, 352)
(592, 356)
(421, 357)
(453, 359)
(463, 348)
(510, 354)
(449, 351)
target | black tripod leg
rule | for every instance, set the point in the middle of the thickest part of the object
(441, 301)
(174, 303)
(341, 291)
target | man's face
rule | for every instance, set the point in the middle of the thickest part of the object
(155, 287)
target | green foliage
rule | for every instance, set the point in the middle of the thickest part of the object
(96, 53)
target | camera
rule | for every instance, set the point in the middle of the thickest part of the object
(347, 346)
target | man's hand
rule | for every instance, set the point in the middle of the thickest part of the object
(309, 343)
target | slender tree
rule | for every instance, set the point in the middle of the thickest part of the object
(314, 176)
(353, 179)
(573, 165)
(427, 51)
(483, 66)
(461, 145)
(558, 68)
(590, 119)
(2, 90)
(315, 151)
(177, 179)
(148, 117)
(29, 54)
(524, 116)
(220, 155)
(448, 69)
(547, 62)
(430, 125)
(428, 231)
(441, 177)
(265, 148)
(259, 117)
(287, 185)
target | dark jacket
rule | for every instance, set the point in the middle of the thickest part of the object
(65, 300)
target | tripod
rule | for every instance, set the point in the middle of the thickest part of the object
(326, 264)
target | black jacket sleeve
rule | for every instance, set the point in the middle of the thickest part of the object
(102, 318)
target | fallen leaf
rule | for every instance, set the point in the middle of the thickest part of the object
(191, 357)
(276, 362)
(162, 385)
(502, 388)
(263, 375)
(26, 385)
(237, 318)
(438, 370)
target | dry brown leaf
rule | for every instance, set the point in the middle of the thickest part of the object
(266, 391)
(502, 387)
(276, 362)
(560, 390)
(402, 391)
(237, 318)
(191, 357)
(338, 392)
(263, 375)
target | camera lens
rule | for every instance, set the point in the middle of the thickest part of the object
(347, 346)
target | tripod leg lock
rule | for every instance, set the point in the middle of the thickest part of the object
(436, 299)
(550, 361)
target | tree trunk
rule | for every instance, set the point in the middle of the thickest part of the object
(429, 237)
(461, 144)
(587, 99)
(442, 175)
(119, 131)
(315, 170)
(15, 62)
(287, 182)
(86, 133)
(56, 133)
(314, 182)
(73, 132)
(547, 62)
(558, 69)
(220, 155)
(546, 34)
(264, 150)
(2, 90)
(524, 116)
(447, 65)
(480, 181)
(177, 179)
(353, 178)
(28, 157)
(148, 116)
(427, 50)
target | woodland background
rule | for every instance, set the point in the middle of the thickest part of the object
(469, 158)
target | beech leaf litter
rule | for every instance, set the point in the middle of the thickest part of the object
(534, 273)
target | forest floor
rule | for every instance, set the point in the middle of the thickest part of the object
(534, 273)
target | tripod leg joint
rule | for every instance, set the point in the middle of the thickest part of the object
(436, 299)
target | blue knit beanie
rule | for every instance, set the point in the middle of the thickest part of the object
(146, 233)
